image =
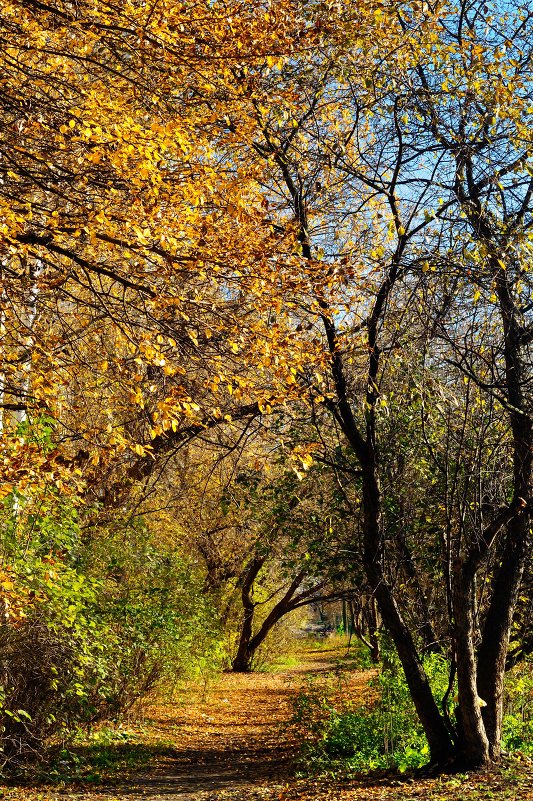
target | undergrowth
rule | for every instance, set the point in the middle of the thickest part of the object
(342, 735)
(105, 755)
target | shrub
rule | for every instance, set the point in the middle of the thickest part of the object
(53, 666)
(88, 624)
(518, 716)
(340, 734)
(154, 599)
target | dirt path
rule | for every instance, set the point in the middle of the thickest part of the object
(232, 747)
(231, 740)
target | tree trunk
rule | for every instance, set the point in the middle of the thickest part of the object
(492, 652)
(243, 658)
(365, 625)
(283, 607)
(375, 651)
(497, 629)
(249, 644)
(438, 737)
(473, 744)
(242, 662)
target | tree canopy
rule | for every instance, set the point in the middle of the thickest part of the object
(269, 264)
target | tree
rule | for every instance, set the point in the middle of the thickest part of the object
(408, 189)
(301, 529)
(120, 253)
(491, 182)
(265, 525)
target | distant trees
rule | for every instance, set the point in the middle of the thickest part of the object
(268, 541)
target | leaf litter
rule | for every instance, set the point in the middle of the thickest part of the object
(231, 745)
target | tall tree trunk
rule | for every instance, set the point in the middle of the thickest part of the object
(496, 633)
(365, 624)
(495, 639)
(494, 646)
(438, 737)
(492, 652)
(375, 651)
(473, 743)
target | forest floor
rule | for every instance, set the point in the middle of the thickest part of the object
(232, 745)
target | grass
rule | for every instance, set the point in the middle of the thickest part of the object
(95, 764)
(108, 755)
(279, 664)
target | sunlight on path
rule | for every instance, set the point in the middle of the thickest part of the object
(233, 738)
(232, 746)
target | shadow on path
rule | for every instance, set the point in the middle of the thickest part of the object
(234, 739)
(195, 772)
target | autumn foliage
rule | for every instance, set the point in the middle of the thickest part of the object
(298, 237)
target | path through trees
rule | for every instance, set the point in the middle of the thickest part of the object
(231, 747)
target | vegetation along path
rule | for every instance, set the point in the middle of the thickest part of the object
(232, 746)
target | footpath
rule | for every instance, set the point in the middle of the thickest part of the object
(233, 746)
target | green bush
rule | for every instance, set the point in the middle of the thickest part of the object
(54, 670)
(89, 624)
(338, 734)
(154, 598)
(518, 716)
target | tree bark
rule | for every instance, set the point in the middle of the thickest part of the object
(243, 658)
(473, 742)
(284, 605)
(492, 653)
(249, 642)
(365, 624)
(438, 737)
